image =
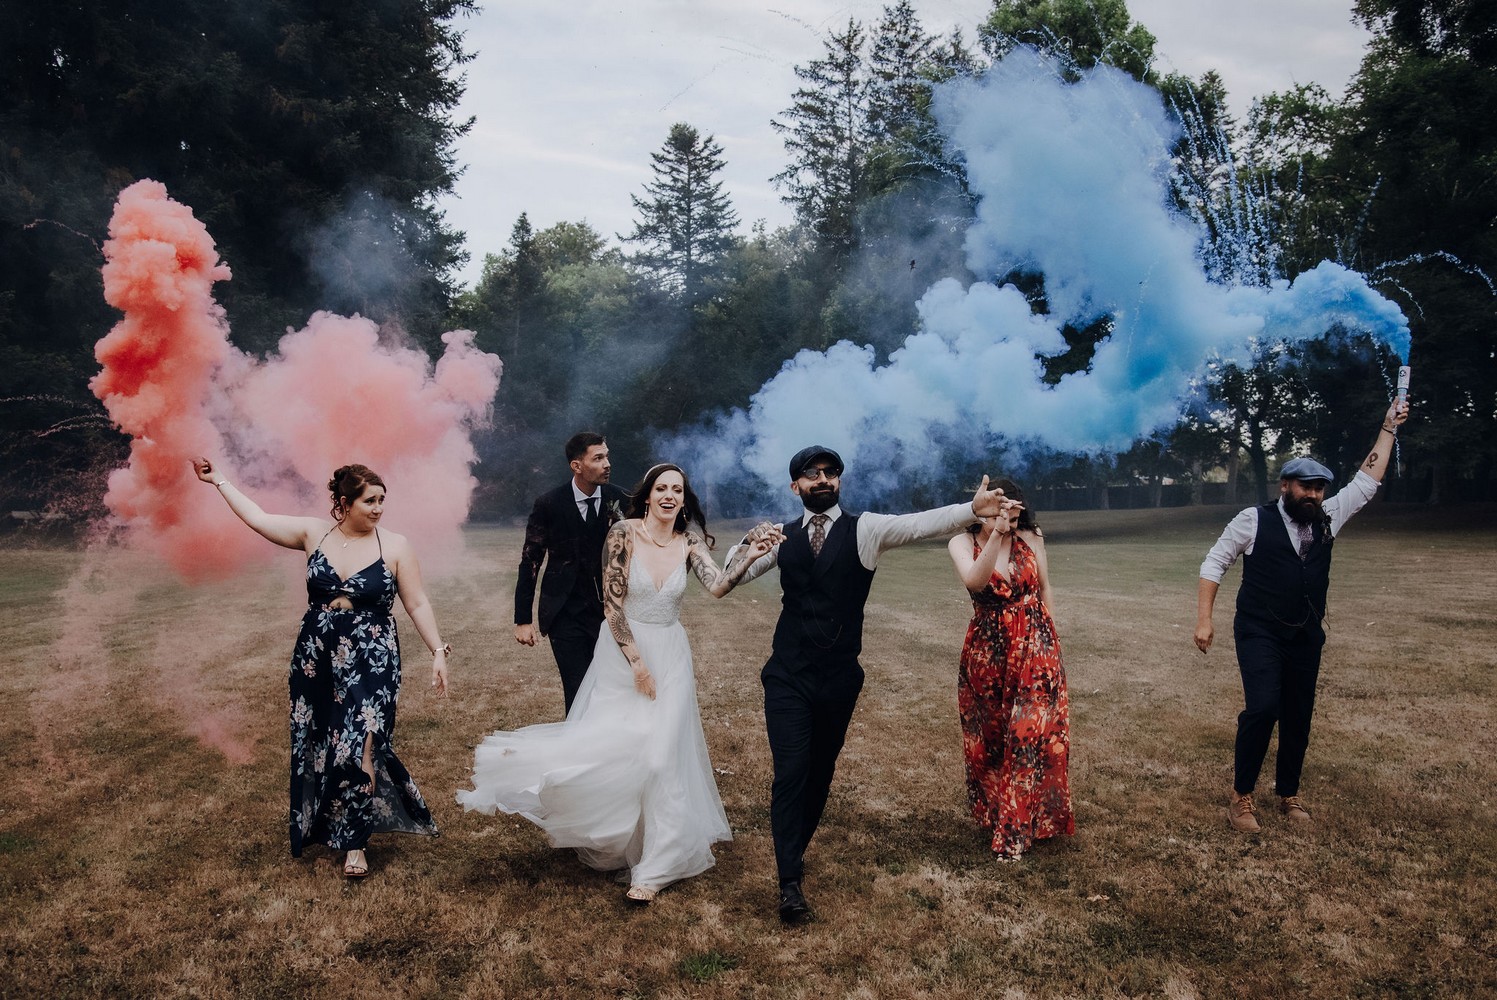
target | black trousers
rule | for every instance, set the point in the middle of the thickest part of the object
(1279, 672)
(573, 640)
(806, 712)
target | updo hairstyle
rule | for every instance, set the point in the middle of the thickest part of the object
(348, 484)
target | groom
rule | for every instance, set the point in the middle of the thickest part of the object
(566, 529)
(827, 558)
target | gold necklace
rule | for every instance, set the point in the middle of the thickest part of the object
(350, 538)
(644, 527)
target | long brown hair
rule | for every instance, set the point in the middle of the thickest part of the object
(1013, 492)
(691, 509)
(348, 484)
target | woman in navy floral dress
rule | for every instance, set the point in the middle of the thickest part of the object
(346, 781)
(1011, 687)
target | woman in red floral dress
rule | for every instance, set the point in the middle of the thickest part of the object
(1011, 689)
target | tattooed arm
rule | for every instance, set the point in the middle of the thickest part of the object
(719, 581)
(1377, 460)
(617, 551)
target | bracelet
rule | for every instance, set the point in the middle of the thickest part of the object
(221, 484)
(445, 650)
(1391, 430)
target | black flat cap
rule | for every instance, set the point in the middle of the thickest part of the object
(806, 456)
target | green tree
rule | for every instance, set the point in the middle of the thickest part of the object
(685, 221)
(827, 136)
(298, 133)
(1082, 33)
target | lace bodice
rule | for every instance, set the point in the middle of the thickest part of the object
(654, 607)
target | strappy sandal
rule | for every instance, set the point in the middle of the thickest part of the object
(356, 869)
(640, 894)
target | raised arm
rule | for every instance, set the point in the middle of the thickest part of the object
(283, 529)
(973, 571)
(413, 598)
(1376, 463)
(719, 581)
(617, 550)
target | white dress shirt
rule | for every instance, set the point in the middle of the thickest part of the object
(1242, 531)
(582, 499)
(877, 533)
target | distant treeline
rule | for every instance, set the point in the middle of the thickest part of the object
(313, 141)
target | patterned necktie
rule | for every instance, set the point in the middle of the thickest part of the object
(592, 510)
(818, 533)
(1306, 539)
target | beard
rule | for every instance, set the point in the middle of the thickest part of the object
(820, 499)
(1305, 511)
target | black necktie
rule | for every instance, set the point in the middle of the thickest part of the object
(818, 533)
(592, 510)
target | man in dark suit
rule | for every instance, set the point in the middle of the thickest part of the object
(827, 558)
(1279, 629)
(566, 530)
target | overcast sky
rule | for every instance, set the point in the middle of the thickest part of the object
(571, 98)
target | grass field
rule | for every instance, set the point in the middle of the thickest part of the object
(142, 812)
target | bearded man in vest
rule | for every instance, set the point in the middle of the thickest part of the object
(827, 558)
(1281, 604)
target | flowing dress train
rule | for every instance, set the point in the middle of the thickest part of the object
(625, 781)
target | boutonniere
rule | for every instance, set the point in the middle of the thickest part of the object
(615, 515)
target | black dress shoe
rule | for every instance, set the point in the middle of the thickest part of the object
(793, 906)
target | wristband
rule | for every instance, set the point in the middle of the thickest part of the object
(445, 650)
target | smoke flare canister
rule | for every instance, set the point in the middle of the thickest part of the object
(1403, 383)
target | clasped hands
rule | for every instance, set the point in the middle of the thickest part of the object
(993, 503)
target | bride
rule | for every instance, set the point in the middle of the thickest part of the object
(626, 780)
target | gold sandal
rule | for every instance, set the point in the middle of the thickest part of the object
(640, 894)
(356, 869)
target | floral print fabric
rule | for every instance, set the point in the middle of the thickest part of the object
(1011, 693)
(344, 682)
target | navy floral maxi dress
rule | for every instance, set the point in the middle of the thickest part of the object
(345, 678)
(1011, 693)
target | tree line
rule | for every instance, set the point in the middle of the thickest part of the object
(315, 141)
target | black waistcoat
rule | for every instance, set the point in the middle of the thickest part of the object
(821, 615)
(1278, 588)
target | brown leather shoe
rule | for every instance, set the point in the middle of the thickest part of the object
(1294, 809)
(1240, 813)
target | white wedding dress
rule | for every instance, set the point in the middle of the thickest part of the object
(626, 781)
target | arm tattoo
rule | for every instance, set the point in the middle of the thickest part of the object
(699, 558)
(617, 551)
(1371, 461)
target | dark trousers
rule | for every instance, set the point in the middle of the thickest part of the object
(573, 639)
(806, 713)
(1279, 671)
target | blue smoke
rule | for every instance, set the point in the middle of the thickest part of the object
(1072, 182)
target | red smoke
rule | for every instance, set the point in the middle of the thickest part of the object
(332, 394)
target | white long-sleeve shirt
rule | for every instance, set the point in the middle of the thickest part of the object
(877, 533)
(1242, 530)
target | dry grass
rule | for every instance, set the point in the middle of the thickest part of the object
(143, 845)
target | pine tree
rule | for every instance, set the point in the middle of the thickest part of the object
(685, 221)
(826, 133)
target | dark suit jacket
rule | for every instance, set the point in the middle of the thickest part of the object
(557, 535)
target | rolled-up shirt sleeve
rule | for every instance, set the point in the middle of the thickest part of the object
(1235, 539)
(1352, 498)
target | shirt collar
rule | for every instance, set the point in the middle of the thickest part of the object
(832, 513)
(581, 497)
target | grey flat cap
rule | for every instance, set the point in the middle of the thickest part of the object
(1306, 468)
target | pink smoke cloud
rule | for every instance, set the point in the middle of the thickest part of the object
(332, 393)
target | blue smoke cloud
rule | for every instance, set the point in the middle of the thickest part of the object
(1072, 182)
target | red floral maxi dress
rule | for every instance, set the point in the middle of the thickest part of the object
(1011, 693)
